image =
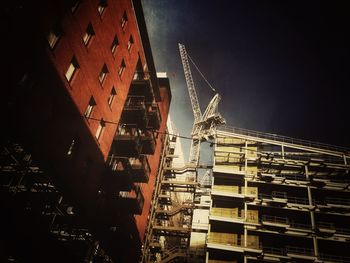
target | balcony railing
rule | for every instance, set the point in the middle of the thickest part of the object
(136, 169)
(275, 220)
(132, 201)
(334, 258)
(119, 178)
(154, 117)
(141, 86)
(148, 142)
(338, 201)
(302, 251)
(281, 139)
(134, 111)
(234, 240)
(140, 169)
(127, 141)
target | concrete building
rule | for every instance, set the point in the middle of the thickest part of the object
(278, 199)
(87, 112)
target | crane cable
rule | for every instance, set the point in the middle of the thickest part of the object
(200, 73)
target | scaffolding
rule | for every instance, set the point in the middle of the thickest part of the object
(34, 202)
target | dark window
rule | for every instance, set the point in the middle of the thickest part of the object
(75, 6)
(124, 20)
(121, 68)
(111, 96)
(89, 33)
(130, 42)
(103, 73)
(115, 44)
(54, 36)
(100, 128)
(102, 6)
(72, 69)
(90, 107)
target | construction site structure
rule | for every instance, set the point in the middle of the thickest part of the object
(278, 199)
(179, 190)
(264, 197)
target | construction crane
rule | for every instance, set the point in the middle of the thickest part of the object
(204, 125)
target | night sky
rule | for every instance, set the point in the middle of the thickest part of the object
(280, 66)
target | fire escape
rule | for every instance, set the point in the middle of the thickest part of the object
(179, 189)
(35, 207)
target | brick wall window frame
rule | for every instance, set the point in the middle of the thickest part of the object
(90, 108)
(101, 8)
(72, 69)
(54, 36)
(103, 74)
(115, 44)
(121, 68)
(124, 20)
(75, 6)
(111, 97)
(100, 129)
(130, 43)
(88, 35)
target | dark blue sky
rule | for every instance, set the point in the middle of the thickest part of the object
(280, 66)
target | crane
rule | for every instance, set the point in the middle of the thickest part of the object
(205, 124)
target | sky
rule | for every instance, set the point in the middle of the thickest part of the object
(280, 66)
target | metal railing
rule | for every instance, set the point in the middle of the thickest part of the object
(334, 258)
(338, 201)
(283, 139)
(300, 250)
(275, 219)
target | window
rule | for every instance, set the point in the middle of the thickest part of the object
(103, 73)
(72, 69)
(71, 148)
(102, 6)
(74, 6)
(53, 36)
(111, 96)
(124, 20)
(121, 68)
(115, 44)
(130, 42)
(100, 128)
(90, 107)
(88, 34)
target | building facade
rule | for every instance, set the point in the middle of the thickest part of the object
(84, 103)
(277, 199)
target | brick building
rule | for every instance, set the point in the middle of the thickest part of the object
(84, 103)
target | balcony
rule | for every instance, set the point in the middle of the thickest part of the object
(233, 215)
(134, 111)
(235, 191)
(141, 86)
(126, 171)
(300, 253)
(127, 141)
(132, 201)
(233, 242)
(326, 228)
(140, 169)
(275, 221)
(154, 118)
(148, 142)
(119, 178)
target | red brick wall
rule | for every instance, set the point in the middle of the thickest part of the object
(92, 58)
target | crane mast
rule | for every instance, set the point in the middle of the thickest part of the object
(204, 125)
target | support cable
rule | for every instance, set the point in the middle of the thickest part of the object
(194, 64)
